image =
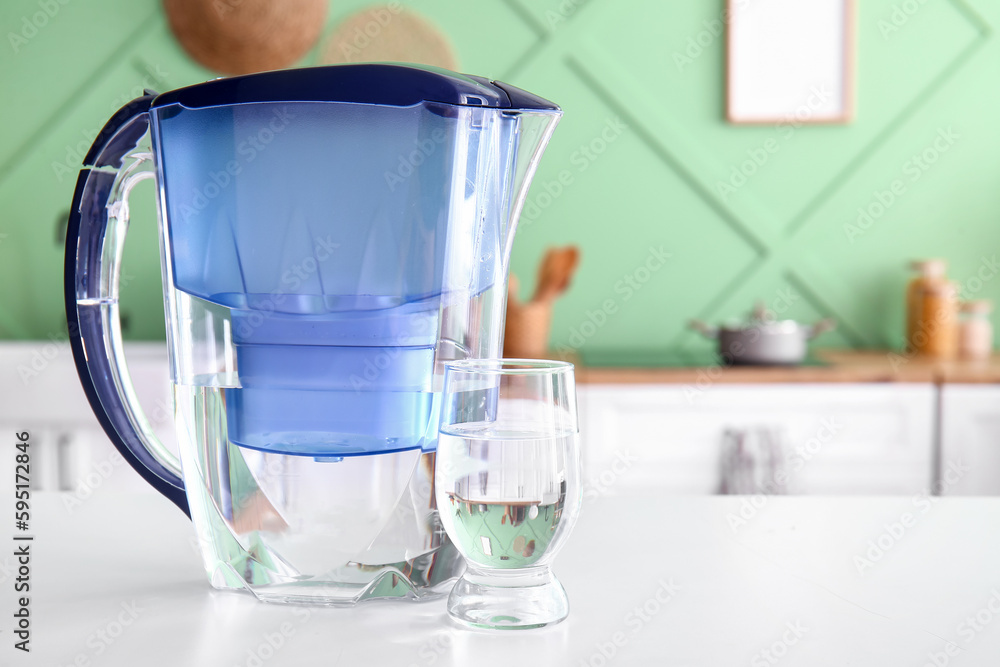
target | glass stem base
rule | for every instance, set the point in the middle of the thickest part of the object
(508, 599)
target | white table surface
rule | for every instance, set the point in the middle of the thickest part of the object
(128, 558)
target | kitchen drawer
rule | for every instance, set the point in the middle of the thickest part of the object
(970, 439)
(835, 438)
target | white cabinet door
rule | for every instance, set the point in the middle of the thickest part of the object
(970, 440)
(834, 438)
(69, 449)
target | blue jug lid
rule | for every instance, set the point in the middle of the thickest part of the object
(384, 84)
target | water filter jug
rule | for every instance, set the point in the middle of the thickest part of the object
(330, 237)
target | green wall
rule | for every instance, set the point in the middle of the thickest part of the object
(640, 154)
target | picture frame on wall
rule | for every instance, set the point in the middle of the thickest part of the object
(790, 60)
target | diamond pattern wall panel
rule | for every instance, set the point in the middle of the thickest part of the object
(633, 171)
(666, 75)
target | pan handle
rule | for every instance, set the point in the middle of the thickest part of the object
(821, 327)
(704, 329)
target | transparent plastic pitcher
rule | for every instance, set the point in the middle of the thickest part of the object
(329, 238)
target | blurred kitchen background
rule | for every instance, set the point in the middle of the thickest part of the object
(672, 212)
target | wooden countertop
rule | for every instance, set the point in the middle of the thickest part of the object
(836, 366)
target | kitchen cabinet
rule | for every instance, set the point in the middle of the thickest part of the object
(69, 449)
(970, 439)
(835, 438)
(870, 427)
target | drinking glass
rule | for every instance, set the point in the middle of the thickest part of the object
(507, 485)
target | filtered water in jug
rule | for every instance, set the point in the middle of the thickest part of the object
(329, 238)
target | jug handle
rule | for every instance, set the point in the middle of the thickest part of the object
(94, 243)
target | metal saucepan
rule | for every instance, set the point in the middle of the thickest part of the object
(762, 340)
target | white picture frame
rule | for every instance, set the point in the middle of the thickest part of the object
(790, 60)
